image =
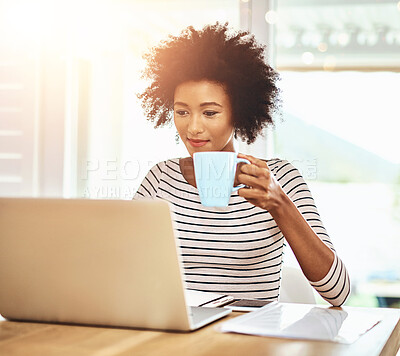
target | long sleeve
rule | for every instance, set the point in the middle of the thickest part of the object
(335, 286)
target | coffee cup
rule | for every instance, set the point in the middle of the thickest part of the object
(215, 174)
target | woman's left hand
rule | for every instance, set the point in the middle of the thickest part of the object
(263, 189)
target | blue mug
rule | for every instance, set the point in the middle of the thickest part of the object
(215, 173)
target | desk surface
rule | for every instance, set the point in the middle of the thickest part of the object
(22, 338)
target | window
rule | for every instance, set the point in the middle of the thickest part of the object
(340, 130)
(340, 127)
(70, 122)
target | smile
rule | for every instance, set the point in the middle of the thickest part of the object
(197, 143)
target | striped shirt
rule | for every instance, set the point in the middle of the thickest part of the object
(238, 250)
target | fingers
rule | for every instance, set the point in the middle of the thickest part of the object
(254, 161)
(257, 168)
(250, 194)
(254, 171)
(253, 181)
(250, 158)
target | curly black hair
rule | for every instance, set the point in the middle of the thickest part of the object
(215, 53)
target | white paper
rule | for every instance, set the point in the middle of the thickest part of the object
(302, 321)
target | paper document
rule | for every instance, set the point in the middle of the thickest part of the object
(301, 321)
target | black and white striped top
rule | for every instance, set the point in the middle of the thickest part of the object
(238, 250)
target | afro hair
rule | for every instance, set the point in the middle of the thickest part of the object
(215, 53)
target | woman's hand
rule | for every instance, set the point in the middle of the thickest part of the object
(263, 189)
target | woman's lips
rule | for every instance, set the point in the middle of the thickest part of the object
(197, 143)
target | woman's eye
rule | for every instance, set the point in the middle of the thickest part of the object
(210, 113)
(181, 112)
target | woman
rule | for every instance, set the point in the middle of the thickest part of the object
(217, 87)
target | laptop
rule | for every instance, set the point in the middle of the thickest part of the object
(94, 262)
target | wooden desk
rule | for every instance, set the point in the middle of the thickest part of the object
(20, 338)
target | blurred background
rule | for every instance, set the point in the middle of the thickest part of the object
(71, 125)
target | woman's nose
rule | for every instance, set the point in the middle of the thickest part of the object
(195, 125)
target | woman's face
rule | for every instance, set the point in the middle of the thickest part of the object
(203, 116)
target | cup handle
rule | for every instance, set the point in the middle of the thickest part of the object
(239, 160)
